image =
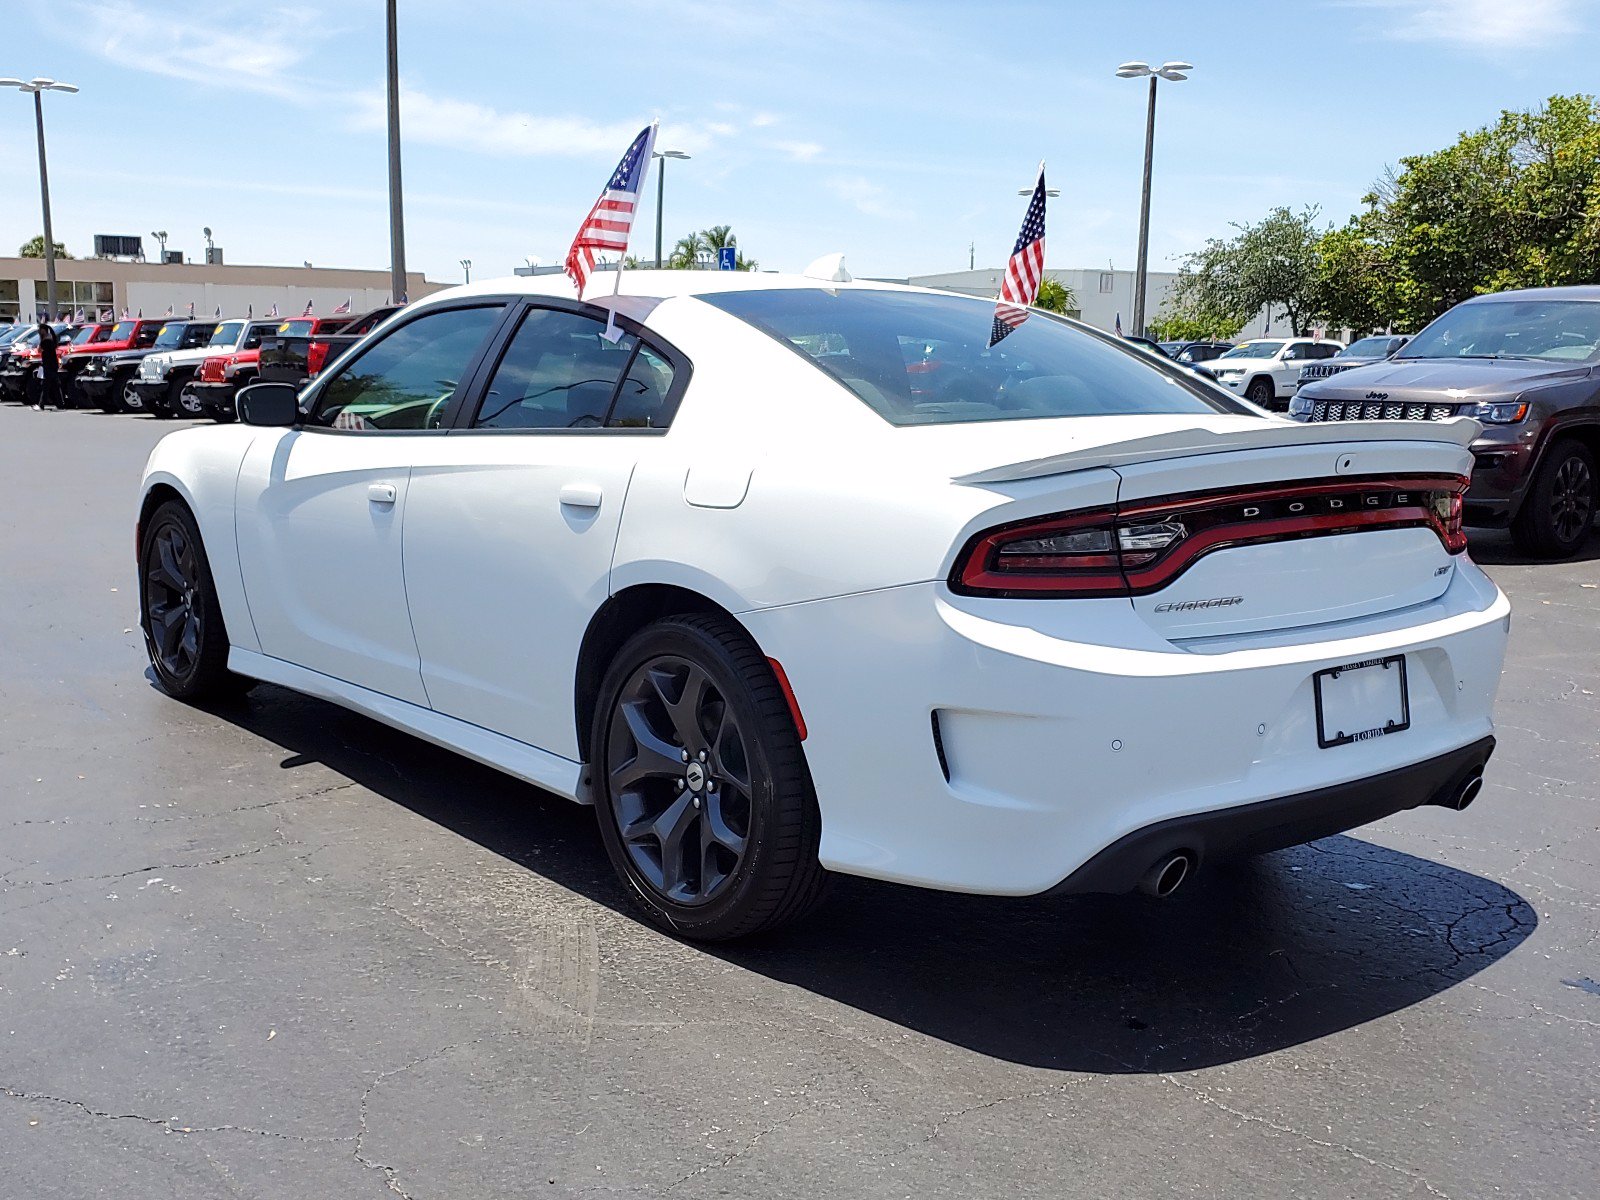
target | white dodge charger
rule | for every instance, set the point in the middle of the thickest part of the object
(789, 577)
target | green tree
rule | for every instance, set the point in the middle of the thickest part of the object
(34, 248)
(687, 250)
(1055, 297)
(1270, 264)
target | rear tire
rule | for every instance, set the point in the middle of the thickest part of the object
(1262, 392)
(179, 611)
(701, 788)
(1557, 514)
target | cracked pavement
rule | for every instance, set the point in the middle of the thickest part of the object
(277, 950)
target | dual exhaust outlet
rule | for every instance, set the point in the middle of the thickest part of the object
(1171, 870)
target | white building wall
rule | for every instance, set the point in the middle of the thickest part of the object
(238, 300)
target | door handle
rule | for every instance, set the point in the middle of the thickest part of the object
(581, 495)
(381, 493)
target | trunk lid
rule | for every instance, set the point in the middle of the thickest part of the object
(1272, 524)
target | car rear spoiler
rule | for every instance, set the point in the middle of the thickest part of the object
(1183, 443)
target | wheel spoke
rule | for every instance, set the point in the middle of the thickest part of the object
(165, 569)
(189, 643)
(683, 709)
(654, 756)
(167, 627)
(668, 830)
(728, 760)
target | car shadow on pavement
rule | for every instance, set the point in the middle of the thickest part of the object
(1248, 959)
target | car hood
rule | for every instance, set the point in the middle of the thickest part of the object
(1245, 364)
(1454, 380)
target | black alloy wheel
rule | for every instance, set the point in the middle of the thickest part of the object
(704, 801)
(179, 611)
(1558, 511)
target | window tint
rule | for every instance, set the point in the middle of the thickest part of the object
(923, 359)
(645, 400)
(406, 380)
(559, 372)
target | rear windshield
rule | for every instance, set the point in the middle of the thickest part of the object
(918, 359)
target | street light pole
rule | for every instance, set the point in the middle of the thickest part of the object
(1142, 274)
(661, 190)
(397, 225)
(466, 265)
(1172, 71)
(39, 87)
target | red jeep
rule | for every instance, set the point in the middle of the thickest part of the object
(221, 375)
(137, 334)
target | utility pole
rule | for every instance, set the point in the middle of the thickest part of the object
(397, 224)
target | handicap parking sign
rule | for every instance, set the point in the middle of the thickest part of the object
(728, 258)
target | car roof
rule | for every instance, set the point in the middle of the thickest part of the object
(664, 285)
(1582, 291)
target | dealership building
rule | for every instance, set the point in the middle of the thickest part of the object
(98, 284)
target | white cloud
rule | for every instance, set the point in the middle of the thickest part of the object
(799, 151)
(259, 51)
(466, 125)
(867, 197)
(1487, 25)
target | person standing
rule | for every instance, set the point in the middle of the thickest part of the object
(50, 380)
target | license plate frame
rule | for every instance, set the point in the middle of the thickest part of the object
(1321, 681)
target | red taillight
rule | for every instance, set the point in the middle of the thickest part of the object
(316, 356)
(1143, 547)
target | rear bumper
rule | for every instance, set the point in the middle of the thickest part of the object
(1274, 824)
(1000, 746)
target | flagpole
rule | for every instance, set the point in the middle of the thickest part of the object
(612, 334)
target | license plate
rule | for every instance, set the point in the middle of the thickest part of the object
(1361, 701)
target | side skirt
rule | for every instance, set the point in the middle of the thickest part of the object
(525, 762)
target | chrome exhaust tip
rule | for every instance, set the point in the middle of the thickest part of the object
(1468, 792)
(1167, 874)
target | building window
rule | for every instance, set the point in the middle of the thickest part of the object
(10, 309)
(1108, 282)
(77, 293)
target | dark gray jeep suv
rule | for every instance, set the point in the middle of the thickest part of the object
(1527, 365)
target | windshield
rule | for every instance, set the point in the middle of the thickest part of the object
(1254, 350)
(120, 332)
(1553, 330)
(1372, 347)
(89, 333)
(226, 334)
(169, 337)
(295, 328)
(919, 359)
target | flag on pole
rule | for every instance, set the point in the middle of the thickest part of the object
(611, 219)
(191, 310)
(169, 310)
(1024, 271)
(78, 316)
(274, 313)
(307, 312)
(219, 312)
(141, 314)
(1118, 329)
(343, 308)
(124, 314)
(250, 312)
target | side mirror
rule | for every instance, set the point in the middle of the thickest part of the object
(271, 404)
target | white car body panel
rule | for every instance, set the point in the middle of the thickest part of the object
(457, 611)
(154, 367)
(1284, 371)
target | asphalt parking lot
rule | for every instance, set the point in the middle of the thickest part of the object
(278, 950)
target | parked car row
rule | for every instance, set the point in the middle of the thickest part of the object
(175, 366)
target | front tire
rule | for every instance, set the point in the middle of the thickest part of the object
(1261, 392)
(179, 611)
(189, 402)
(1558, 511)
(701, 788)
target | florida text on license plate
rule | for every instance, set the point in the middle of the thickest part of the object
(1361, 700)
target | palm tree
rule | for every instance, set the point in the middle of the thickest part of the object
(719, 236)
(1056, 297)
(686, 252)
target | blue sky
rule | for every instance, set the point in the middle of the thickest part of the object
(895, 132)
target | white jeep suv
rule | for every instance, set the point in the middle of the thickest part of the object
(1266, 371)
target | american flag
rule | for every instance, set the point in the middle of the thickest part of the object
(1119, 325)
(169, 310)
(343, 308)
(274, 313)
(1024, 272)
(611, 219)
(307, 312)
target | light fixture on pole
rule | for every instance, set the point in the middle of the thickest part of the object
(38, 87)
(466, 265)
(160, 235)
(661, 191)
(1172, 72)
(1048, 191)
